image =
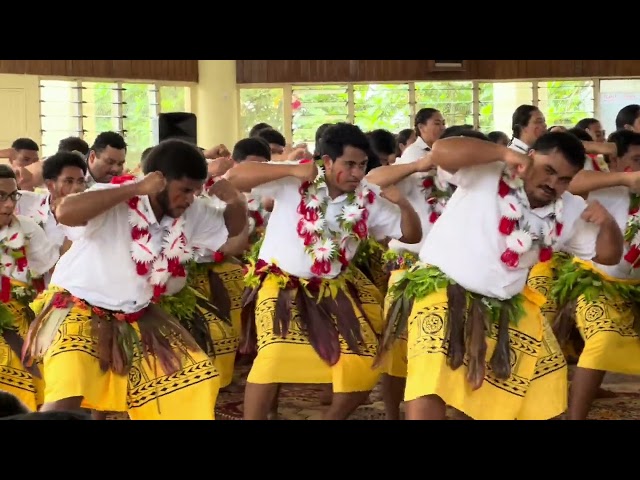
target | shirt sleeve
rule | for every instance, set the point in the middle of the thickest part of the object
(42, 254)
(470, 177)
(582, 241)
(210, 231)
(95, 224)
(384, 218)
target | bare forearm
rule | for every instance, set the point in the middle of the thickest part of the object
(601, 148)
(455, 153)
(235, 217)
(587, 181)
(236, 246)
(409, 224)
(77, 209)
(391, 174)
(609, 244)
(249, 175)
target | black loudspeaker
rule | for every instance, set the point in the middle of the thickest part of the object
(180, 125)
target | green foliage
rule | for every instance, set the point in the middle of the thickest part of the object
(387, 105)
(261, 105)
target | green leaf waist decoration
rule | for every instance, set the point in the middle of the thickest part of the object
(574, 281)
(470, 318)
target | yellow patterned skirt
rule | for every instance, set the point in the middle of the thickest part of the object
(72, 365)
(536, 388)
(15, 378)
(606, 325)
(226, 294)
(294, 360)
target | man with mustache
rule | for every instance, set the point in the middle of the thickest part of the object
(306, 313)
(601, 299)
(509, 211)
(102, 329)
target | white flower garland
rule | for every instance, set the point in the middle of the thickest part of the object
(323, 245)
(520, 240)
(160, 265)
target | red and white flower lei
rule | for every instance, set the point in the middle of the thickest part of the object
(42, 214)
(520, 240)
(437, 194)
(632, 233)
(159, 265)
(256, 212)
(322, 244)
(13, 257)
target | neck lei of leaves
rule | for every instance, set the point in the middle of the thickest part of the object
(322, 244)
(436, 194)
(519, 238)
(632, 232)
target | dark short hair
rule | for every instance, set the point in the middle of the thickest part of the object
(341, 135)
(7, 172)
(25, 144)
(52, 167)
(71, 144)
(272, 136)
(565, 143)
(108, 139)
(176, 159)
(247, 147)
(257, 127)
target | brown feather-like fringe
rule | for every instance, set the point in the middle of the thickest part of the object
(16, 344)
(282, 316)
(353, 292)
(346, 320)
(457, 297)
(103, 329)
(501, 359)
(476, 342)
(161, 333)
(198, 328)
(565, 321)
(219, 295)
(249, 335)
(322, 332)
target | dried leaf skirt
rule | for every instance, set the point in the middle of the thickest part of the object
(294, 360)
(72, 362)
(536, 388)
(395, 363)
(541, 279)
(15, 378)
(223, 284)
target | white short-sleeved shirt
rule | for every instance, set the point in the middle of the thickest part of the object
(282, 244)
(42, 255)
(466, 244)
(37, 206)
(98, 267)
(616, 200)
(411, 187)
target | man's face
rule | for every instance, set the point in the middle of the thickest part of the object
(347, 171)
(178, 196)
(24, 158)
(8, 200)
(71, 180)
(629, 162)
(548, 178)
(107, 164)
(596, 131)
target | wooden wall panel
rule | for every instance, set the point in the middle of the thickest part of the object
(160, 70)
(321, 71)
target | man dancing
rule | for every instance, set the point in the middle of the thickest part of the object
(602, 300)
(105, 342)
(26, 254)
(476, 332)
(311, 324)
